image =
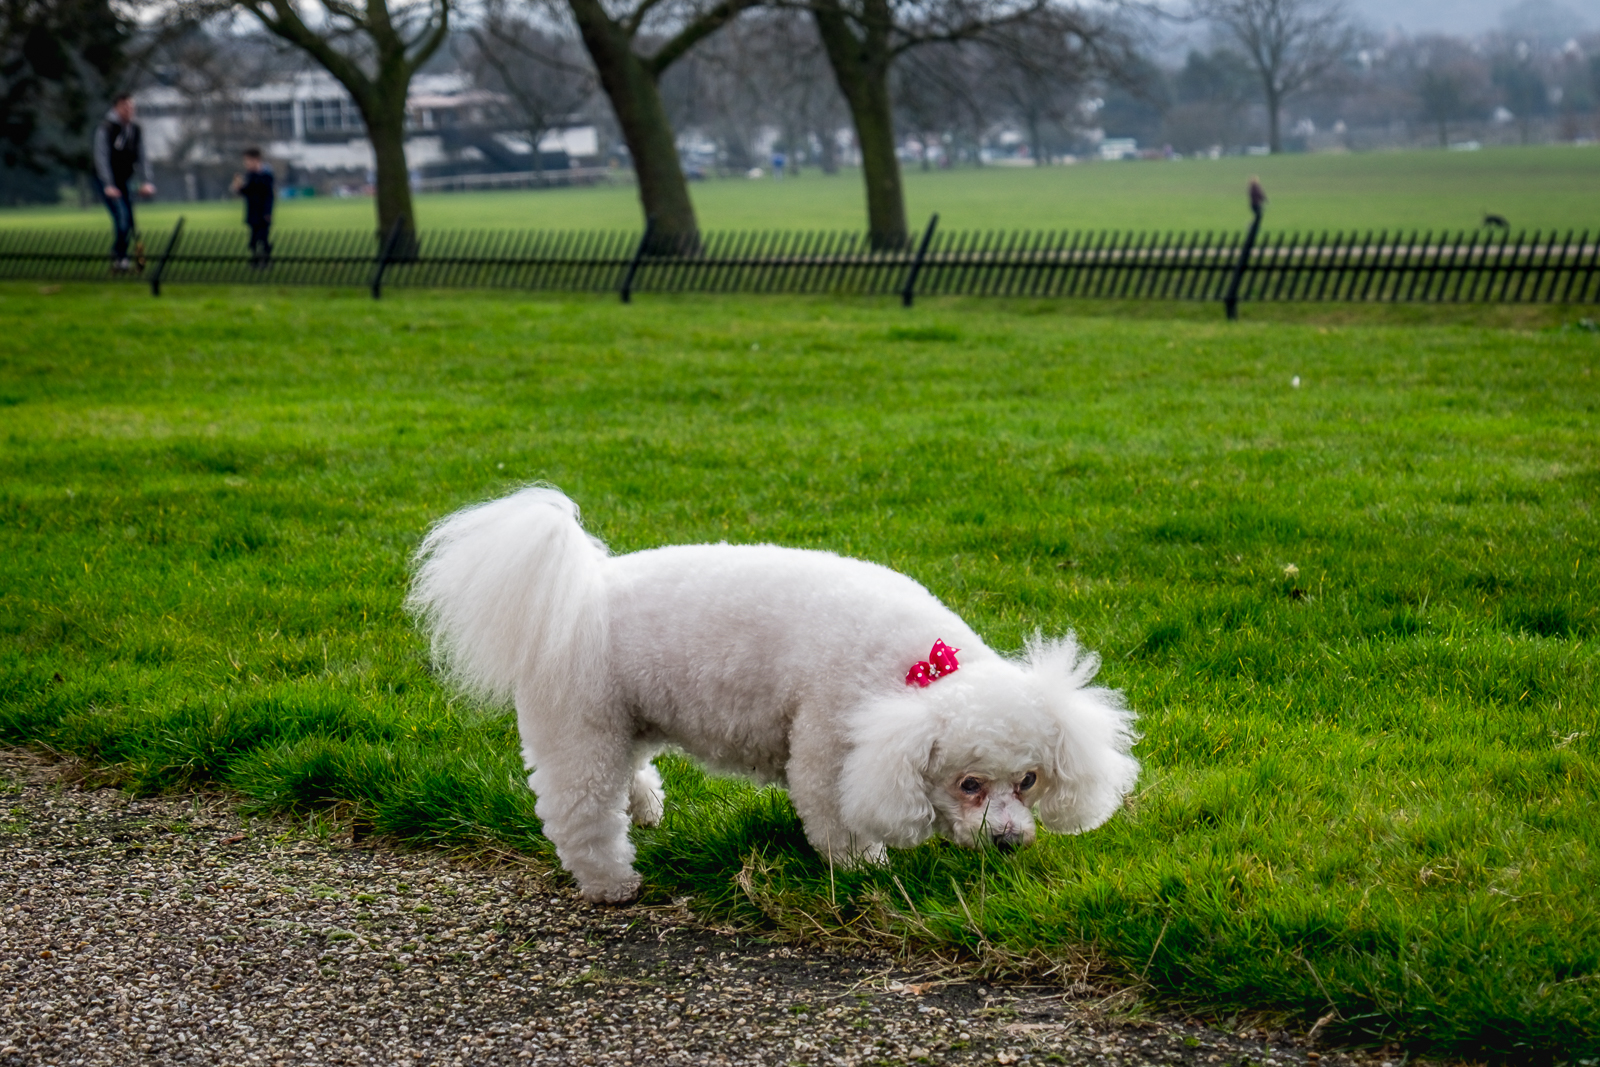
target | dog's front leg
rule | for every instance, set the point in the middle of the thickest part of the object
(583, 783)
(847, 852)
(813, 775)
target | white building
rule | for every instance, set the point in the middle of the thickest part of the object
(310, 128)
(1119, 148)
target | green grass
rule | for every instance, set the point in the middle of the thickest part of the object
(1370, 787)
(1540, 187)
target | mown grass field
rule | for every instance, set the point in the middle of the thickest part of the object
(1537, 188)
(1358, 617)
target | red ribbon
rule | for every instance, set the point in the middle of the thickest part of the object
(940, 662)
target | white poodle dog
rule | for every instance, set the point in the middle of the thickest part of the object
(833, 677)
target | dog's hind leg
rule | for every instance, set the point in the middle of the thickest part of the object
(647, 802)
(584, 784)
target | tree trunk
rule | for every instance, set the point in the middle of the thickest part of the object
(861, 67)
(385, 117)
(737, 149)
(828, 157)
(1274, 142)
(381, 96)
(535, 136)
(1036, 140)
(880, 170)
(636, 99)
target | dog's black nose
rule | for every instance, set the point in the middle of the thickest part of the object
(1007, 841)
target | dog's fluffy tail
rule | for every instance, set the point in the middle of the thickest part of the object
(511, 594)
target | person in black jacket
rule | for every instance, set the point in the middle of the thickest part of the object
(118, 157)
(257, 187)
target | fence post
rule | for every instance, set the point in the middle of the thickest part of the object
(907, 290)
(161, 264)
(1231, 300)
(384, 255)
(638, 255)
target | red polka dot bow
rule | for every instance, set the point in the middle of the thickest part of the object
(940, 662)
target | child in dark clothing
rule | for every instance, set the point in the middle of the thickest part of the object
(257, 188)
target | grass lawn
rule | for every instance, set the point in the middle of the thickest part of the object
(1358, 616)
(1536, 188)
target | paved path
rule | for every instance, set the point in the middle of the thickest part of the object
(175, 931)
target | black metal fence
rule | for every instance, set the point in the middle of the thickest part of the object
(1467, 267)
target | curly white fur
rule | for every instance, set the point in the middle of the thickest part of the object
(784, 665)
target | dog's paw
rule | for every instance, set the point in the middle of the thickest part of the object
(625, 891)
(873, 856)
(865, 856)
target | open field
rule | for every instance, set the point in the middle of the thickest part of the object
(1371, 780)
(1536, 188)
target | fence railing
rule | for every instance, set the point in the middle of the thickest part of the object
(1466, 267)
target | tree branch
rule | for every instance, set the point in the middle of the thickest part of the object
(631, 24)
(969, 30)
(695, 32)
(285, 22)
(431, 40)
(541, 58)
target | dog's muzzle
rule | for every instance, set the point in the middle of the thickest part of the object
(1007, 841)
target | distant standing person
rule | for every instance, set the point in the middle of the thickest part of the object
(118, 156)
(259, 191)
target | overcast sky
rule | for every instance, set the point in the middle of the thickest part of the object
(1430, 16)
(1470, 17)
(1466, 18)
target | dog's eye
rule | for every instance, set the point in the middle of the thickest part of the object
(1027, 781)
(971, 786)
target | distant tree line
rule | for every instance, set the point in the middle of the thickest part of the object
(1539, 71)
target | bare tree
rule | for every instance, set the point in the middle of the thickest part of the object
(719, 93)
(937, 91)
(1039, 68)
(813, 109)
(619, 40)
(1450, 85)
(373, 48)
(765, 70)
(544, 75)
(1521, 84)
(1212, 94)
(1032, 73)
(208, 68)
(1290, 43)
(804, 104)
(864, 38)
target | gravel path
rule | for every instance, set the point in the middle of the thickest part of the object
(175, 931)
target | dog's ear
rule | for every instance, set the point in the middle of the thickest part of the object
(1092, 768)
(883, 786)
